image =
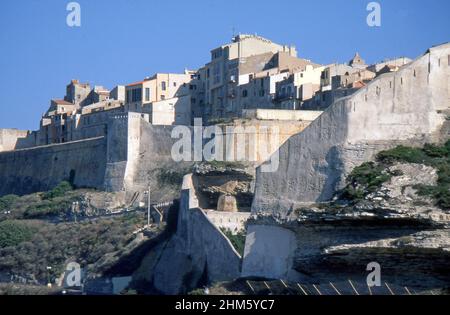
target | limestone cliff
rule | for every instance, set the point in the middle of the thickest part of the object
(392, 212)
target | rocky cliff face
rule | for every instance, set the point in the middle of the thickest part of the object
(213, 180)
(384, 215)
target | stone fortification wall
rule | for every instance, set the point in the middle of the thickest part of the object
(405, 107)
(42, 168)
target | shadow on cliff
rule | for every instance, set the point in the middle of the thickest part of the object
(333, 172)
(131, 262)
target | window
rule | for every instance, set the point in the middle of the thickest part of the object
(163, 85)
(163, 97)
(136, 95)
(217, 54)
(244, 93)
(216, 74)
(147, 94)
(174, 83)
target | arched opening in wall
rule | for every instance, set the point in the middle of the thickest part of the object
(72, 177)
(414, 73)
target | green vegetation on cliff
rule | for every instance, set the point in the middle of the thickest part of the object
(237, 240)
(29, 246)
(12, 233)
(30, 240)
(58, 191)
(171, 177)
(226, 164)
(365, 179)
(370, 176)
(7, 201)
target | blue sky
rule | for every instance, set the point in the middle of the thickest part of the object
(122, 41)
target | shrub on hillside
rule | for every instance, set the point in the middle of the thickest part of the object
(7, 202)
(226, 164)
(56, 244)
(369, 176)
(48, 208)
(440, 193)
(58, 191)
(170, 177)
(237, 240)
(365, 179)
(13, 233)
(403, 154)
(437, 151)
(430, 154)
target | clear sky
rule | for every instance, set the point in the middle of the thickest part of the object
(122, 41)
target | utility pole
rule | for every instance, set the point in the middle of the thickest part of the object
(149, 205)
(49, 284)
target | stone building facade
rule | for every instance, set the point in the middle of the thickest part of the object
(251, 72)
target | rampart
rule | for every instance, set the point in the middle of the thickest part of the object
(404, 107)
(11, 139)
(39, 169)
(198, 250)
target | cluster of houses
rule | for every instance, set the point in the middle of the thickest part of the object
(251, 72)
